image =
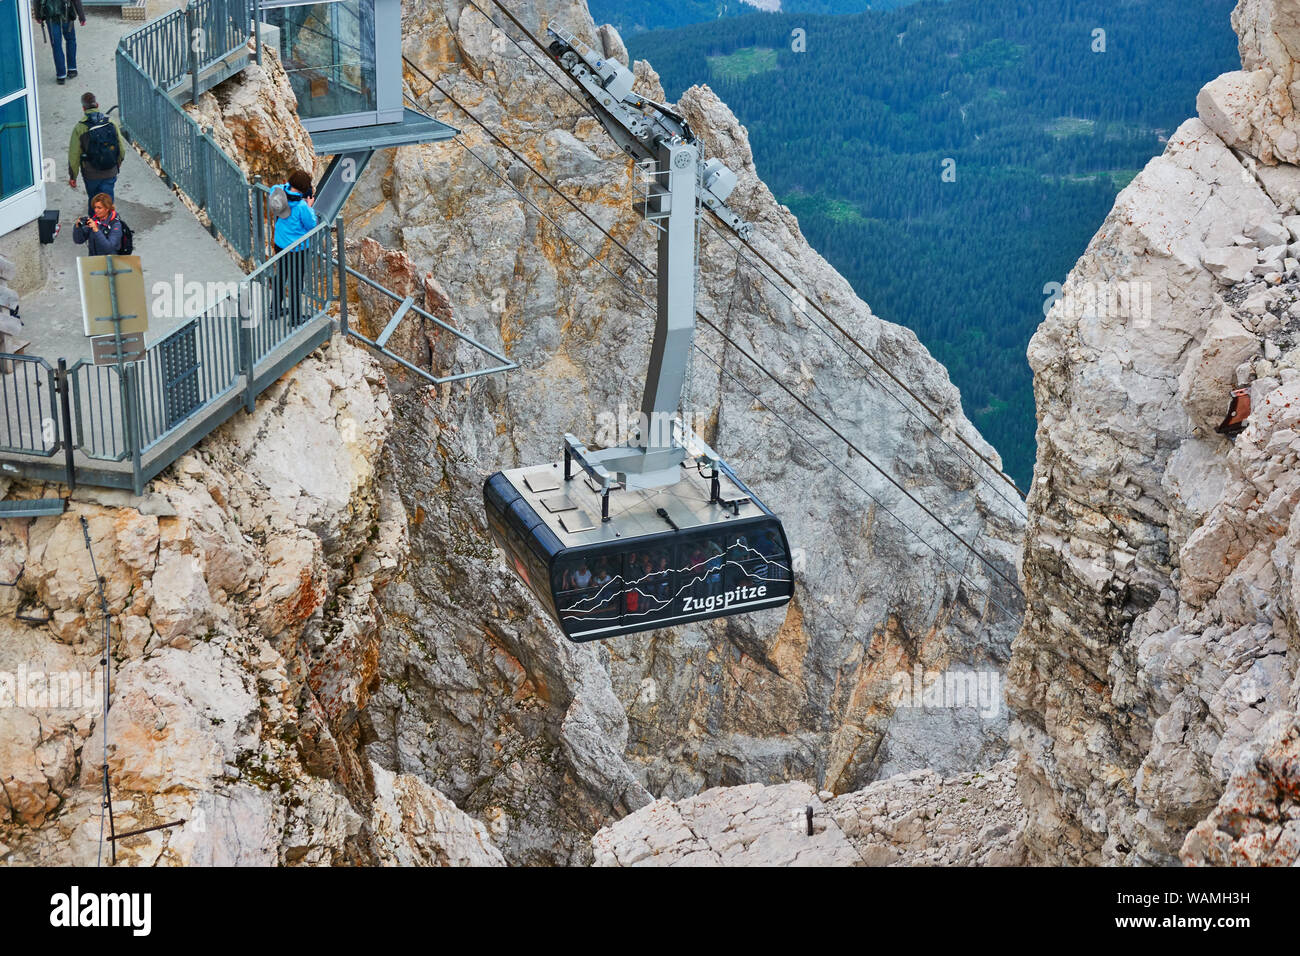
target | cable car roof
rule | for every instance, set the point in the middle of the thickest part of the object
(572, 510)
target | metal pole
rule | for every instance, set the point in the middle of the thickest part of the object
(65, 412)
(343, 276)
(204, 159)
(259, 218)
(132, 391)
(111, 272)
(193, 54)
(246, 353)
(257, 30)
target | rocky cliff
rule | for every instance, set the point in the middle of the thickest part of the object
(479, 694)
(246, 641)
(323, 657)
(912, 819)
(1154, 685)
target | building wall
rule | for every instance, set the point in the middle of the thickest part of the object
(22, 184)
(22, 187)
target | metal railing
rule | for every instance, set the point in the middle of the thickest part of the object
(99, 395)
(28, 404)
(211, 28)
(148, 412)
(119, 425)
(152, 63)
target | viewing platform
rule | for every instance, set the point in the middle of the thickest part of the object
(217, 337)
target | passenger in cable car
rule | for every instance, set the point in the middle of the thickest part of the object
(580, 578)
(663, 586)
(714, 569)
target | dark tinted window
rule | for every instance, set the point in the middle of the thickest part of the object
(588, 591)
(651, 583)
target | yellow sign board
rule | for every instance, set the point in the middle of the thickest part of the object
(97, 297)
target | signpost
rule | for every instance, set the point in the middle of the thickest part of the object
(114, 309)
(115, 316)
(109, 349)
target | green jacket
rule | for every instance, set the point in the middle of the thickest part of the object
(74, 150)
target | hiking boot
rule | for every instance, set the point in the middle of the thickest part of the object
(71, 74)
(60, 80)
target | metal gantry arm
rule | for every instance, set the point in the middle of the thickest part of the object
(678, 184)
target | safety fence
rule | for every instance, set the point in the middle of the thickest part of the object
(140, 416)
(156, 61)
(120, 424)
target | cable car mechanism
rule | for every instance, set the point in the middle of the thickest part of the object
(685, 540)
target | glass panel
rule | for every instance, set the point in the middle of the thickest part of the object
(15, 148)
(328, 50)
(589, 592)
(11, 49)
(702, 561)
(650, 584)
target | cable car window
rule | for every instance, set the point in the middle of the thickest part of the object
(588, 590)
(649, 588)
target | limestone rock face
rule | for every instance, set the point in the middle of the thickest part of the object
(1154, 681)
(479, 694)
(415, 825)
(1256, 109)
(729, 826)
(923, 819)
(916, 818)
(244, 590)
(255, 120)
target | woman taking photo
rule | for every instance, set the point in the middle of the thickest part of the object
(102, 232)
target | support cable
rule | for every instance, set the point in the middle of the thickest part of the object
(106, 798)
(784, 278)
(708, 322)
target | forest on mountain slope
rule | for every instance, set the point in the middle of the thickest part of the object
(635, 16)
(952, 159)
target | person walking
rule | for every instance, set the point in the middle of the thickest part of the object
(291, 208)
(101, 231)
(96, 149)
(58, 16)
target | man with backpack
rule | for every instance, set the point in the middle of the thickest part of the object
(59, 15)
(97, 150)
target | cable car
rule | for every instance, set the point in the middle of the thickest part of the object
(702, 548)
(686, 541)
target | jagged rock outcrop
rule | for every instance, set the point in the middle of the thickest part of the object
(244, 586)
(912, 819)
(254, 119)
(480, 694)
(10, 324)
(1154, 683)
(1255, 109)
(751, 825)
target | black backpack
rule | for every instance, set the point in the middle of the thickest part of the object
(128, 239)
(55, 11)
(99, 143)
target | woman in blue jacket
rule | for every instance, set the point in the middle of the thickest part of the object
(301, 219)
(101, 233)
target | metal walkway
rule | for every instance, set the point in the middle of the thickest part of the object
(120, 425)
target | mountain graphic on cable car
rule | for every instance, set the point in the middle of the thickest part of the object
(667, 556)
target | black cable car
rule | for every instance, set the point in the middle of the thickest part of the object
(702, 548)
(686, 540)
